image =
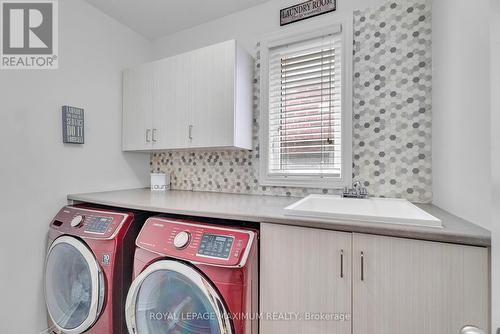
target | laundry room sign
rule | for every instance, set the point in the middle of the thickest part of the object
(73, 125)
(306, 10)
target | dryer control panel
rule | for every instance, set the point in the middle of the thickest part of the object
(88, 223)
(196, 242)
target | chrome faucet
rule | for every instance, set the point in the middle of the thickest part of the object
(357, 191)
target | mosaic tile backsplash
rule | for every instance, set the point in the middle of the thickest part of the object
(391, 111)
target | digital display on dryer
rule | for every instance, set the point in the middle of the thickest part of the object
(98, 225)
(217, 246)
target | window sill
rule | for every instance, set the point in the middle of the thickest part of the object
(306, 182)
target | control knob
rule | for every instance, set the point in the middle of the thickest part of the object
(77, 221)
(181, 240)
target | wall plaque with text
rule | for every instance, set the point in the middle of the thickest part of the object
(73, 125)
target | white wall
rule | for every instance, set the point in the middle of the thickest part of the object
(495, 159)
(461, 104)
(246, 26)
(37, 170)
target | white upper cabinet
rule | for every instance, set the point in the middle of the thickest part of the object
(199, 99)
(212, 84)
(171, 112)
(137, 108)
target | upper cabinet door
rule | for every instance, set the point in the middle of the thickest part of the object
(171, 114)
(306, 274)
(211, 75)
(137, 108)
(199, 99)
(413, 287)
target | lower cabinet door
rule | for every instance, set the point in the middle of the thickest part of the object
(414, 287)
(305, 281)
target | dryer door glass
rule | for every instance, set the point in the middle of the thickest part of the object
(70, 286)
(170, 301)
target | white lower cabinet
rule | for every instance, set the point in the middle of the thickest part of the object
(413, 287)
(389, 285)
(304, 272)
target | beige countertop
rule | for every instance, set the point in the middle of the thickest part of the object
(270, 209)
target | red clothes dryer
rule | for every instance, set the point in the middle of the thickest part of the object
(88, 269)
(194, 278)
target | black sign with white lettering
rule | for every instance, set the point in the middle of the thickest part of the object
(306, 10)
(73, 125)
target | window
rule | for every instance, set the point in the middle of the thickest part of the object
(306, 109)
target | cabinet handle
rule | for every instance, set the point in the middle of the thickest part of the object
(341, 263)
(154, 135)
(362, 266)
(190, 132)
(148, 132)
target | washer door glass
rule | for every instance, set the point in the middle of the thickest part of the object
(69, 286)
(171, 303)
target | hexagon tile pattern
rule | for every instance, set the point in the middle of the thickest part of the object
(392, 116)
(392, 100)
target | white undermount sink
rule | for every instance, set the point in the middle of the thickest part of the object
(374, 210)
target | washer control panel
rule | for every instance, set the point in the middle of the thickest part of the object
(197, 242)
(89, 223)
(98, 224)
(218, 246)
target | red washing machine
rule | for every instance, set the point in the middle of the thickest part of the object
(194, 278)
(88, 269)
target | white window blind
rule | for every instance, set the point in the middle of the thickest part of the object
(305, 116)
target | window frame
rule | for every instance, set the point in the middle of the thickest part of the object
(302, 31)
